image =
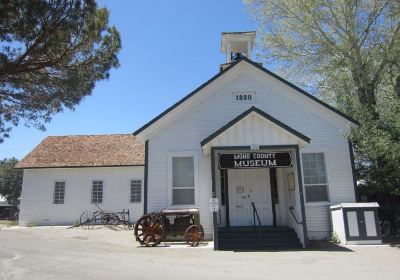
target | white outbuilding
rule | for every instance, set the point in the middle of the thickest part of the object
(255, 153)
(67, 175)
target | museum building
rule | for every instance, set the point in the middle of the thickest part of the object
(247, 148)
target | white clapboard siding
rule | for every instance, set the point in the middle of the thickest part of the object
(254, 129)
(215, 107)
(37, 207)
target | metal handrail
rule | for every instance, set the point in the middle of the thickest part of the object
(255, 214)
(291, 208)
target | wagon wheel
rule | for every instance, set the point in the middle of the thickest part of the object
(194, 235)
(149, 231)
(86, 220)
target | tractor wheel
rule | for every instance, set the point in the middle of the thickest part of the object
(86, 220)
(194, 235)
(149, 230)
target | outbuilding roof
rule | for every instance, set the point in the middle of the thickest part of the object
(85, 151)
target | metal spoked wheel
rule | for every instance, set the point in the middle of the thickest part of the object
(86, 220)
(194, 235)
(149, 231)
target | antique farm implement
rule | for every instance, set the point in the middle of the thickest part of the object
(153, 228)
(99, 217)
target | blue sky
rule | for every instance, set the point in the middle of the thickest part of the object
(169, 48)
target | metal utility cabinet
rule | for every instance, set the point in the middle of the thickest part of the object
(356, 223)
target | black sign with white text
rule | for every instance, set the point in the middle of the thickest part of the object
(254, 160)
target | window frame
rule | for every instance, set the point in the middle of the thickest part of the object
(130, 190)
(102, 192)
(170, 177)
(54, 191)
(328, 183)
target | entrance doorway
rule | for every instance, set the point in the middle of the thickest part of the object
(269, 177)
(247, 186)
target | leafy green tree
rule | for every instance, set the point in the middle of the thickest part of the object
(10, 180)
(347, 53)
(51, 55)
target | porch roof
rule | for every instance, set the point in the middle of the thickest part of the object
(254, 127)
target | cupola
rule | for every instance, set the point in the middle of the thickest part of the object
(236, 44)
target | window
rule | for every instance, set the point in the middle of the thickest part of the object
(59, 193)
(136, 190)
(315, 180)
(183, 180)
(97, 192)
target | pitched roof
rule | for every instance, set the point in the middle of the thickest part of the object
(85, 151)
(261, 113)
(222, 72)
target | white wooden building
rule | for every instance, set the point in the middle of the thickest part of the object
(66, 175)
(247, 137)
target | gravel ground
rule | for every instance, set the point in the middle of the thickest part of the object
(104, 253)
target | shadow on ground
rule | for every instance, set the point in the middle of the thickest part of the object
(392, 241)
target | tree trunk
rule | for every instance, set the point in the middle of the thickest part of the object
(397, 86)
(365, 90)
(366, 96)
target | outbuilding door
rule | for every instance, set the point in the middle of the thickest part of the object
(247, 186)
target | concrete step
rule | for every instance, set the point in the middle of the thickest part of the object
(259, 241)
(258, 228)
(257, 238)
(264, 246)
(234, 235)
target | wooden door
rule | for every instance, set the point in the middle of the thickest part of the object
(244, 187)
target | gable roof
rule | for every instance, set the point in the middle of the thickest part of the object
(222, 72)
(85, 151)
(262, 114)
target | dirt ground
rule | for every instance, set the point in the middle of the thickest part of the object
(104, 253)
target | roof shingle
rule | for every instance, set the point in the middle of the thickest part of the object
(85, 151)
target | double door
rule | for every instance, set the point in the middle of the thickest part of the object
(247, 186)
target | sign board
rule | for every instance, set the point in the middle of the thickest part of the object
(254, 147)
(214, 207)
(254, 160)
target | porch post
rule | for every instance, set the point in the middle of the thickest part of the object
(214, 195)
(300, 180)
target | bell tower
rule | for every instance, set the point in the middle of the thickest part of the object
(236, 44)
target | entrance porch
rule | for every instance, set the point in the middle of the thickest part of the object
(259, 207)
(258, 186)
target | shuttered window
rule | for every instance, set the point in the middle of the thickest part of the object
(183, 180)
(59, 193)
(315, 179)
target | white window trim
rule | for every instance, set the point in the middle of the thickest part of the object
(91, 191)
(328, 181)
(65, 191)
(141, 190)
(193, 154)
